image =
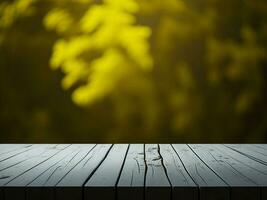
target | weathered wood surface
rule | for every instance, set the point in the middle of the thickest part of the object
(133, 171)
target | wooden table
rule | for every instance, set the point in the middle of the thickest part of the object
(133, 172)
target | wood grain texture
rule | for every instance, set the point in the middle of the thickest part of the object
(251, 152)
(70, 187)
(242, 187)
(211, 186)
(102, 184)
(44, 186)
(157, 183)
(133, 171)
(253, 169)
(183, 186)
(132, 179)
(30, 160)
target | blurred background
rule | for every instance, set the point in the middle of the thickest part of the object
(133, 71)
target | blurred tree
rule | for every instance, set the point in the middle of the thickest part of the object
(169, 71)
(104, 50)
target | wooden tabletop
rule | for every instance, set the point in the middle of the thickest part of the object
(133, 172)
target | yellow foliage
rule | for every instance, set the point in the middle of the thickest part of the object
(68, 50)
(59, 20)
(9, 12)
(109, 29)
(105, 74)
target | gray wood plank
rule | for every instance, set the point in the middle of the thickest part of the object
(102, 184)
(28, 177)
(242, 187)
(18, 155)
(261, 146)
(17, 165)
(211, 187)
(4, 147)
(70, 187)
(254, 170)
(38, 156)
(7, 150)
(131, 182)
(183, 187)
(8, 147)
(137, 171)
(250, 151)
(157, 183)
(53, 175)
(44, 186)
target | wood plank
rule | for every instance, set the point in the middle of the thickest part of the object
(70, 187)
(22, 181)
(131, 182)
(261, 146)
(53, 175)
(43, 187)
(250, 151)
(18, 155)
(211, 187)
(33, 159)
(157, 183)
(137, 171)
(15, 166)
(28, 177)
(183, 187)
(7, 150)
(254, 170)
(7, 147)
(242, 187)
(102, 184)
